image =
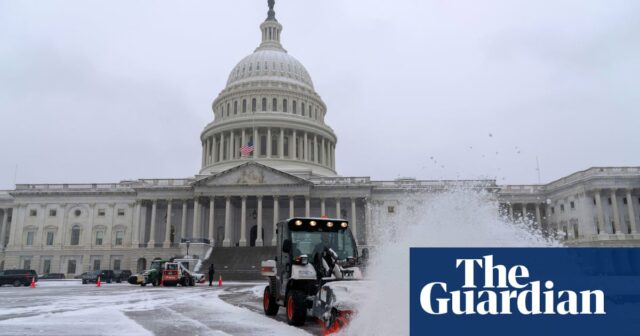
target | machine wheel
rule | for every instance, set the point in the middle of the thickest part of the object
(84, 282)
(155, 283)
(192, 282)
(17, 283)
(143, 284)
(296, 307)
(269, 302)
(109, 280)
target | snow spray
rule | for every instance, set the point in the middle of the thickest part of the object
(456, 218)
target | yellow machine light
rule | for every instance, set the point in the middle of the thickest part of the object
(298, 222)
(313, 223)
(329, 224)
(344, 224)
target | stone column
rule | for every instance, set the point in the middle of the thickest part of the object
(292, 208)
(269, 140)
(183, 226)
(600, 213)
(14, 223)
(307, 206)
(281, 144)
(255, 143)
(195, 227)
(227, 222)
(632, 214)
(204, 154)
(354, 220)
(538, 217)
(112, 224)
(214, 148)
(305, 150)
(322, 208)
(294, 152)
(316, 157)
(212, 227)
(232, 146)
(244, 137)
(510, 211)
(276, 214)
(221, 149)
(135, 227)
(152, 230)
(3, 227)
(524, 211)
(323, 150)
(143, 223)
(338, 210)
(243, 222)
(259, 241)
(616, 212)
(167, 229)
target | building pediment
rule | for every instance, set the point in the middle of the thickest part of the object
(251, 174)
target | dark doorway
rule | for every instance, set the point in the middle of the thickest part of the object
(254, 235)
(142, 265)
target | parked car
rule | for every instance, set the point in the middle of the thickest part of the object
(123, 275)
(18, 277)
(105, 276)
(53, 276)
(80, 276)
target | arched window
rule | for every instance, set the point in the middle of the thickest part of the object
(235, 107)
(254, 105)
(295, 107)
(284, 106)
(244, 106)
(274, 105)
(264, 104)
(99, 237)
(302, 109)
(75, 235)
(222, 110)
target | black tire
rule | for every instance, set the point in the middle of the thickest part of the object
(296, 307)
(192, 282)
(118, 281)
(17, 283)
(109, 281)
(269, 302)
(143, 284)
(84, 282)
(155, 283)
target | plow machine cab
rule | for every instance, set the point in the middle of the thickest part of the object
(311, 253)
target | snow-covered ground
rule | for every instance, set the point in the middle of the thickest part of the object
(70, 308)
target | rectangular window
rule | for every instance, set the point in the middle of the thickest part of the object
(573, 205)
(71, 267)
(119, 238)
(96, 264)
(624, 201)
(101, 212)
(391, 209)
(274, 105)
(561, 207)
(30, 238)
(295, 107)
(553, 210)
(49, 238)
(121, 212)
(302, 109)
(99, 237)
(244, 106)
(594, 201)
(274, 145)
(116, 265)
(46, 266)
(27, 264)
(52, 213)
(609, 200)
(33, 212)
(285, 108)
(254, 105)
(264, 104)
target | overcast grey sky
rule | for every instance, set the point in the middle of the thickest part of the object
(102, 91)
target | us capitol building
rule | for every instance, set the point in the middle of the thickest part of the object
(270, 103)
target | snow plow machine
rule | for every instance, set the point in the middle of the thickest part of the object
(316, 273)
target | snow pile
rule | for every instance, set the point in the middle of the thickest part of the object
(451, 219)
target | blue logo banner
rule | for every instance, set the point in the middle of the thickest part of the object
(525, 291)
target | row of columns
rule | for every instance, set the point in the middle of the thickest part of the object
(523, 211)
(197, 220)
(616, 214)
(226, 146)
(3, 227)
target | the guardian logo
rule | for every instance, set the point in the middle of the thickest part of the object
(506, 291)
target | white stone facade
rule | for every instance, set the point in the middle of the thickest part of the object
(270, 101)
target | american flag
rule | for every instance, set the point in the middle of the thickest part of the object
(247, 149)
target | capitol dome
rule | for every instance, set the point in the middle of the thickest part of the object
(269, 113)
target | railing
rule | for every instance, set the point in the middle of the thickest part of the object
(522, 189)
(436, 184)
(74, 187)
(167, 182)
(195, 240)
(595, 172)
(340, 180)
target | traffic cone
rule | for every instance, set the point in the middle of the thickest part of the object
(33, 282)
(220, 281)
(98, 282)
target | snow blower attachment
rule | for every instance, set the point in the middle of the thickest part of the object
(315, 273)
